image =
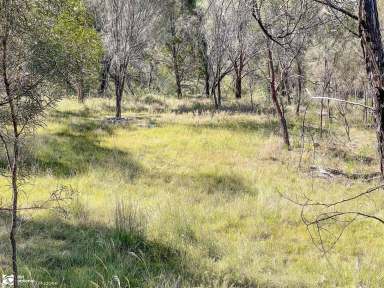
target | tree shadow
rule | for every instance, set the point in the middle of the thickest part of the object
(264, 127)
(83, 113)
(66, 154)
(225, 184)
(228, 185)
(200, 107)
(76, 255)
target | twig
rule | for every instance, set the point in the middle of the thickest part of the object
(344, 101)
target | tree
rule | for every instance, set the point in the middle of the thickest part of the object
(217, 36)
(241, 43)
(126, 34)
(25, 93)
(80, 45)
(371, 43)
(175, 42)
(73, 44)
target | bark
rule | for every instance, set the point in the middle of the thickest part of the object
(106, 64)
(119, 90)
(321, 117)
(12, 161)
(371, 43)
(176, 70)
(151, 72)
(300, 85)
(238, 70)
(175, 58)
(80, 91)
(219, 93)
(205, 67)
(275, 100)
(285, 92)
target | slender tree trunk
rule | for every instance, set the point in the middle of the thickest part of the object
(239, 66)
(285, 92)
(15, 199)
(12, 161)
(176, 70)
(374, 56)
(80, 91)
(238, 86)
(365, 116)
(119, 90)
(299, 85)
(205, 67)
(175, 57)
(321, 117)
(106, 64)
(219, 93)
(329, 109)
(150, 78)
(214, 96)
(275, 100)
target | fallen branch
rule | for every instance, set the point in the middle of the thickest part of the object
(331, 172)
(344, 101)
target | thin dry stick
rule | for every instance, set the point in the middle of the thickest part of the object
(344, 101)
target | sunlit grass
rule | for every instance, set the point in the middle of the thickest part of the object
(202, 195)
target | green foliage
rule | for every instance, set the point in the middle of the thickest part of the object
(68, 44)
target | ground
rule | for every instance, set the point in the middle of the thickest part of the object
(179, 196)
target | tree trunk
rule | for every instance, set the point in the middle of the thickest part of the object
(175, 57)
(15, 199)
(321, 117)
(206, 67)
(80, 91)
(119, 89)
(275, 100)
(219, 93)
(300, 85)
(215, 97)
(374, 56)
(238, 69)
(12, 161)
(285, 92)
(106, 64)
(176, 71)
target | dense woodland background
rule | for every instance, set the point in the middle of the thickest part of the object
(181, 143)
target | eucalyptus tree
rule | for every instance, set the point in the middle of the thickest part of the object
(179, 37)
(242, 43)
(79, 46)
(25, 93)
(127, 33)
(217, 36)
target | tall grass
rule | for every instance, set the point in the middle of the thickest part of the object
(181, 196)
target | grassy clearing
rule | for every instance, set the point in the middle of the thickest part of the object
(181, 195)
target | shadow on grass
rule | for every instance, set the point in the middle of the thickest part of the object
(225, 184)
(264, 127)
(65, 154)
(83, 113)
(200, 107)
(77, 255)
